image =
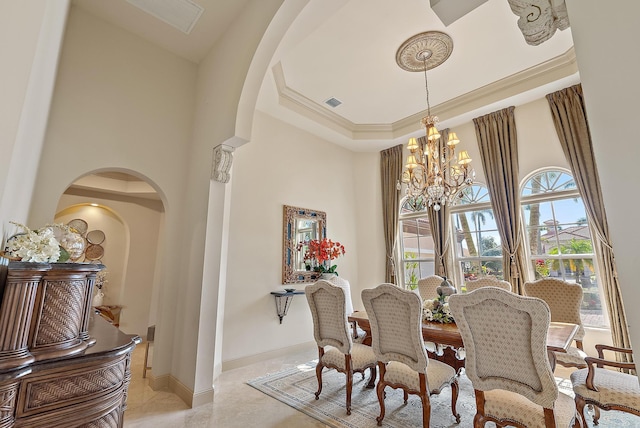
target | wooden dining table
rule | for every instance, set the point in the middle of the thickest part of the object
(449, 342)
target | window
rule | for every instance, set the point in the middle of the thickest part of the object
(415, 244)
(477, 244)
(559, 243)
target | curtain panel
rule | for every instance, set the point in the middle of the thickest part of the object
(439, 222)
(570, 119)
(497, 141)
(391, 173)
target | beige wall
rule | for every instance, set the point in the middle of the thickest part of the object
(121, 103)
(281, 166)
(611, 95)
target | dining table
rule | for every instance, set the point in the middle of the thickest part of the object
(449, 347)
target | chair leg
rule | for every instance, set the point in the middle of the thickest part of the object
(349, 388)
(372, 381)
(479, 420)
(406, 396)
(319, 368)
(426, 409)
(596, 415)
(349, 373)
(380, 393)
(580, 403)
(454, 399)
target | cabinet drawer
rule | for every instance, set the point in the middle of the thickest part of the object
(57, 388)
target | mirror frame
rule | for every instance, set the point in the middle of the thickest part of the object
(290, 215)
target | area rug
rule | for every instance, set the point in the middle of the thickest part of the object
(296, 387)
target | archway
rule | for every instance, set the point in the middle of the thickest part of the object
(128, 215)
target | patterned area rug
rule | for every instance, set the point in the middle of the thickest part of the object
(296, 387)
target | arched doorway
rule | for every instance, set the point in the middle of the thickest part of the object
(123, 218)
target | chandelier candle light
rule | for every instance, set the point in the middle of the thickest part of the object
(432, 175)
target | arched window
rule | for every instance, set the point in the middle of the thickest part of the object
(415, 250)
(558, 237)
(476, 242)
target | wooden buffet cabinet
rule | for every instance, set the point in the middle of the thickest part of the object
(61, 365)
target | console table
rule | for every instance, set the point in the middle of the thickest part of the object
(283, 300)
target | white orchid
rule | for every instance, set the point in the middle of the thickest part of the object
(38, 246)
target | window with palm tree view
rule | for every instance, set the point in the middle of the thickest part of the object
(416, 244)
(478, 247)
(559, 241)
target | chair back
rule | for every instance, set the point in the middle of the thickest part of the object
(564, 300)
(395, 316)
(505, 336)
(344, 284)
(427, 286)
(330, 327)
(487, 281)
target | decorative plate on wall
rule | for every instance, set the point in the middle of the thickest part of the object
(95, 237)
(79, 225)
(94, 252)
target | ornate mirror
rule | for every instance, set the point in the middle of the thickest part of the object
(300, 225)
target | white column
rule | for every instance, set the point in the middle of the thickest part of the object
(214, 276)
(24, 139)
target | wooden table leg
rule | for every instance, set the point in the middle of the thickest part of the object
(448, 357)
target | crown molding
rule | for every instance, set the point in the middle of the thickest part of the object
(562, 66)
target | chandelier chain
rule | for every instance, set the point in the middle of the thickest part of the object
(426, 85)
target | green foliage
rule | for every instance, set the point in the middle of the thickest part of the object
(323, 269)
(412, 269)
(64, 255)
(577, 265)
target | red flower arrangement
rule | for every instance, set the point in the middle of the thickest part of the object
(320, 251)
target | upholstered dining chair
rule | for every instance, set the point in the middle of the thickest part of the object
(331, 332)
(606, 389)
(487, 281)
(395, 316)
(564, 300)
(505, 337)
(427, 286)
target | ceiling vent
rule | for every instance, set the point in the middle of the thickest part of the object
(181, 14)
(333, 102)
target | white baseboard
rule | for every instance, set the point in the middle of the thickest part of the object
(276, 353)
(204, 397)
(158, 382)
(181, 390)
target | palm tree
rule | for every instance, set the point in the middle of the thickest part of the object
(534, 221)
(577, 265)
(466, 232)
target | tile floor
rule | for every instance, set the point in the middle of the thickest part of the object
(236, 404)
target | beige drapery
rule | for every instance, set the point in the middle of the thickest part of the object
(391, 173)
(570, 119)
(497, 141)
(439, 221)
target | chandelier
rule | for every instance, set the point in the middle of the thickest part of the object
(433, 175)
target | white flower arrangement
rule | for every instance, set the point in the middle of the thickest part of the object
(40, 246)
(101, 279)
(437, 310)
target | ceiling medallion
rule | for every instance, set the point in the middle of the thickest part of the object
(434, 46)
